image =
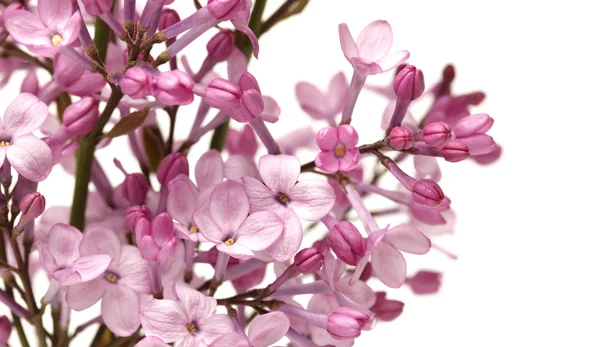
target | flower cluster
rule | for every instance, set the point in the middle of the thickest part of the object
(157, 249)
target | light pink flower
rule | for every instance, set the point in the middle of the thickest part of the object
(151, 342)
(57, 26)
(228, 225)
(283, 194)
(63, 258)
(370, 54)
(120, 286)
(326, 105)
(30, 156)
(190, 319)
(338, 149)
(264, 331)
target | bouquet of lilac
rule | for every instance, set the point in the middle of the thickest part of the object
(156, 250)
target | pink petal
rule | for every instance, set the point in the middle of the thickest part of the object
(215, 326)
(148, 248)
(197, 305)
(271, 110)
(365, 67)
(70, 32)
(349, 47)
(311, 100)
(191, 341)
(350, 160)
(84, 295)
(279, 172)
(86, 84)
(27, 29)
(46, 259)
(265, 330)
(2, 154)
(290, 239)
(181, 192)
(231, 340)
(162, 229)
(328, 162)
(312, 199)
(120, 310)
(67, 277)
(167, 250)
(427, 167)
(209, 169)
(478, 144)
(133, 270)
(24, 115)
(164, 319)
(236, 250)
(55, 13)
(101, 241)
(389, 265)
(260, 230)
(151, 342)
(91, 266)
(238, 166)
(348, 136)
(261, 197)
(229, 205)
(335, 98)
(392, 60)
(31, 157)
(237, 65)
(209, 228)
(63, 244)
(375, 41)
(358, 293)
(408, 239)
(475, 124)
(327, 138)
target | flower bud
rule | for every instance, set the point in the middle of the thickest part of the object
(135, 214)
(221, 45)
(409, 83)
(81, 117)
(31, 206)
(401, 138)
(427, 192)
(5, 330)
(386, 310)
(156, 240)
(135, 188)
(346, 242)
(425, 282)
(174, 88)
(437, 134)
(168, 17)
(172, 165)
(137, 83)
(222, 94)
(308, 260)
(223, 9)
(97, 7)
(455, 151)
(346, 323)
(474, 124)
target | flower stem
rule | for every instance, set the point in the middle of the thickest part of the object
(102, 32)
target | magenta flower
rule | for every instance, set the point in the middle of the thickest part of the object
(264, 331)
(283, 194)
(338, 149)
(156, 239)
(190, 319)
(119, 287)
(228, 225)
(30, 156)
(326, 105)
(63, 258)
(56, 27)
(370, 54)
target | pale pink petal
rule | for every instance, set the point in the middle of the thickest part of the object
(475, 124)
(478, 144)
(365, 67)
(67, 277)
(389, 265)
(151, 342)
(347, 135)
(392, 60)
(55, 13)
(237, 65)
(120, 310)
(209, 228)
(238, 166)
(191, 341)
(335, 99)
(229, 205)
(311, 100)
(84, 295)
(260, 230)
(70, 32)
(350, 160)
(279, 172)
(265, 330)
(328, 162)
(24, 115)
(375, 41)
(231, 340)
(289, 242)
(260, 196)
(408, 239)
(46, 259)
(63, 244)
(27, 29)
(215, 326)
(236, 250)
(349, 47)
(167, 250)
(101, 241)
(197, 305)
(181, 192)
(427, 167)
(209, 169)
(133, 270)
(327, 138)
(91, 266)
(312, 199)
(31, 157)
(164, 319)
(358, 293)
(271, 110)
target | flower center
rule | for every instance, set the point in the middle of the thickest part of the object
(56, 40)
(193, 229)
(282, 199)
(4, 143)
(192, 328)
(111, 277)
(339, 150)
(229, 242)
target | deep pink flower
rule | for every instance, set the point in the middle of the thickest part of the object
(243, 101)
(80, 117)
(173, 88)
(326, 105)
(137, 83)
(156, 239)
(264, 331)
(338, 149)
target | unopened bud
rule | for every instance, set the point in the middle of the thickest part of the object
(172, 165)
(455, 151)
(346, 242)
(135, 188)
(97, 7)
(223, 9)
(32, 206)
(168, 17)
(222, 94)
(221, 45)
(425, 282)
(5, 330)
(427, 192)
(346, 323)
(475, 124)
(135, 214)
(308, 260)
(401, 138)
(80, 117)
(174, 88)
(409, 83)
(137, 83)
(437, 134)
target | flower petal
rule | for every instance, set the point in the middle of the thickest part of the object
(290, 239)
(389, 265)
(197, 305)
(265, 330)
(260, 230)
(31, 157)
(209, 169)
(327, 138)
(181, 192)
(164, 319)
(238, 166)
(392, 60)
(261, 197)
(350, 160)
(209, 229)
(271, 110)
(24, 115)
(312, 199)
(336, 96)
(311, 100)
(229, 205)
(215, 326)
(349, 47)
(151, 342)
(27, 29)
(359, 293)
(63, 244)
(347, 135)
(408, 239)
(327, 162)
(84, 295)
(91, 266)
(70, 32)
(101, 241)
(231, 340)
(478, 144)
(55, 13)
(120, 310)
(375, 40)
(133, 270)
(279, 172)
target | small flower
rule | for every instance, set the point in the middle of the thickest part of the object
(264, 331)
(156, 239)
(326, 105)
(338, 149)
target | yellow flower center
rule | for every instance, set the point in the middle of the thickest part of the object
(194, 229)
(229, 242)
(56, 40)
(191, 328)
(283, 198)
(4, 143)
(112, 278)
(339, 150)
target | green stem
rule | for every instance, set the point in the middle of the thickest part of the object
(20, 332)
(102, 33)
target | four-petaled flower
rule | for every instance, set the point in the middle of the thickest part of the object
(338, 149)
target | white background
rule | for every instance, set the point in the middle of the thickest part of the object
(526, 237)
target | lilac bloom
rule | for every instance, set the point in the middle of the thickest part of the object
(325, 304)
(189, 320)
(118, 288)
(56, 27)
(228, 225)
(283, 194)
(264, 331)
(338, 149)
(30, 156)
(321, 105)
(63, 258)
(151, 342)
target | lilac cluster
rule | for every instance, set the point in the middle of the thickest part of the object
(155, 249)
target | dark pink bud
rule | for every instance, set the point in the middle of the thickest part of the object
(308, 260)
(30, 84)
(5, 330)
(168, 17)
(437, 134)
(250, 280)
(409, 83)
(97, 7)
(425, 282)
(221, 45)
(135, 188)
(223, 9)
(137, 83)
(427, 192)
(172, 165)
(174, 88)
(81, 117)
(401, 138)
(242, 142)
(213, 253)
(222, 94)
(321, 246)
(134, 214)
(367, 273)
(346, 323)
(455, 151)
(347, 242)
(386, 310)
(32, 206)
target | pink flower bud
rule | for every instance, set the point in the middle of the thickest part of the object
(386, 310)
(172, 165)
(135, 214)
(213, 254)
(137, 83)
(455, 151)
(427, 192)
(401, 138)
(242, 142)
(346, 242)
(471, 125)
(156, 240)
(222, 94)
(168, 17)
(32, 205)
(308, 260)
(437, 134)
(174, 88)
(97, 7)
(81, 117)
(5, 330)
(346, 323)
(221, 45)
(135, 188)
(409, 83)
(223, 9)
(425, 282)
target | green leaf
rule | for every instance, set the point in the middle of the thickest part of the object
(154, 144)
(128, 123)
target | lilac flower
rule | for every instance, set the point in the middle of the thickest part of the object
(290, 199)
(326, 105)
(156, 239)
(338, 149)
(190, 319)
(264, 331)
